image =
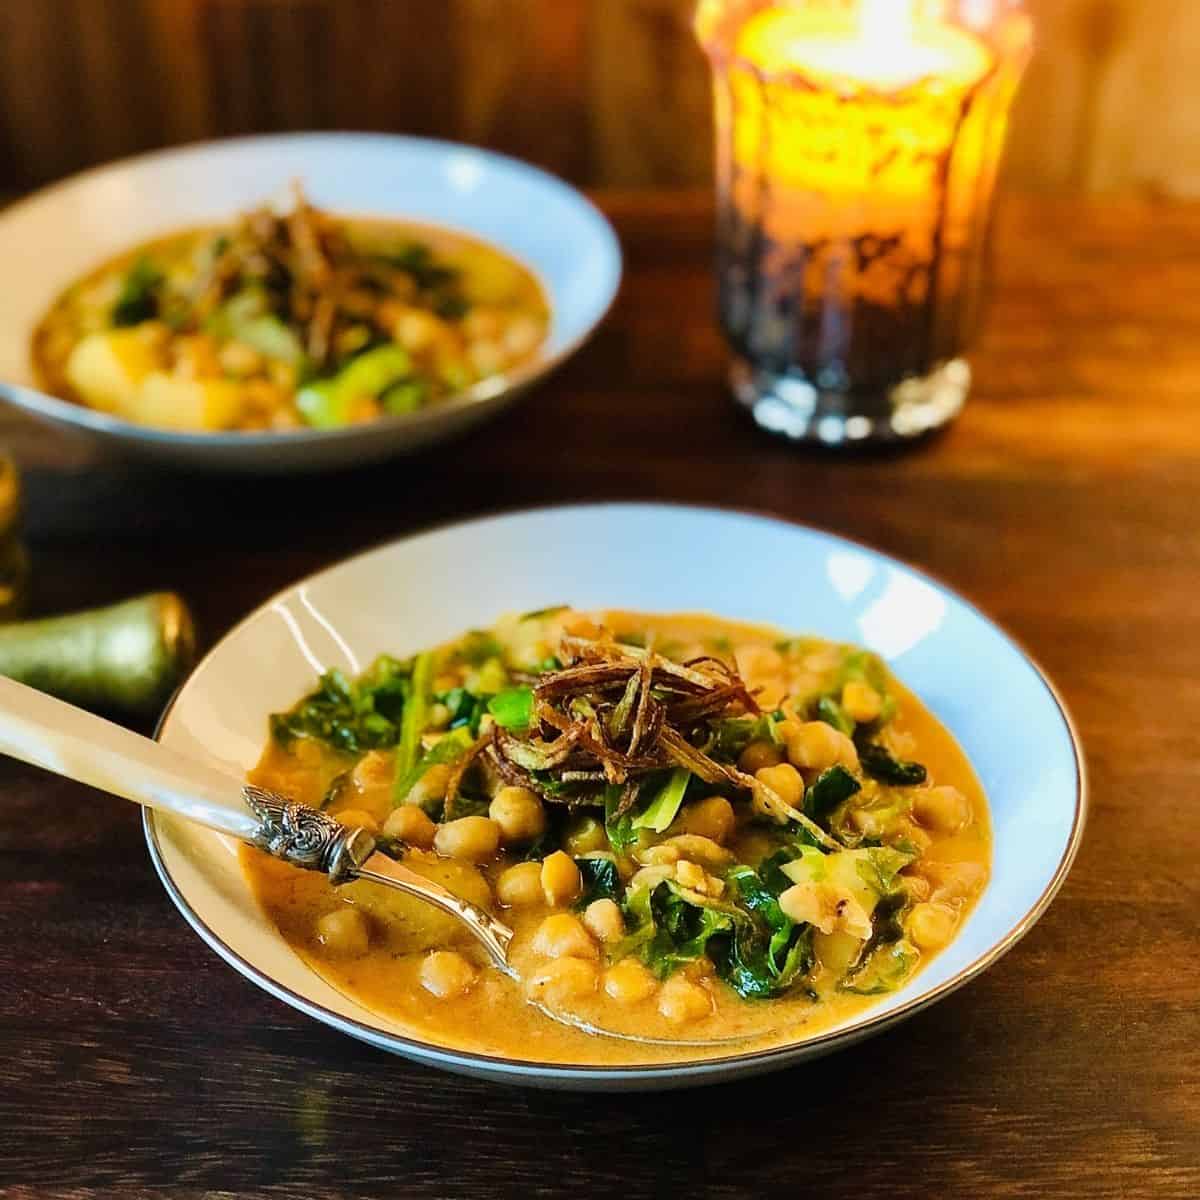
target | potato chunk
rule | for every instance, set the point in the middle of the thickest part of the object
(188, 405)
(108, 369)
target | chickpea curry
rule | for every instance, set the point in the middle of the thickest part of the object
(289, 320)
(697, 829)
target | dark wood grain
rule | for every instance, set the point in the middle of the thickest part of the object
(605, 92)
(133, 1063)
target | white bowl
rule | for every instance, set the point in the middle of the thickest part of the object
(60, 234)
(430, 587)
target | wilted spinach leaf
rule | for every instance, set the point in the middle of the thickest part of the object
(620, 830)
(600, 880)
(832, 713)
(828, 790)
(349, 715)
(138, 299)
(880, 764)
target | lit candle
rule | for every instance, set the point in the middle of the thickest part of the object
(857, 148)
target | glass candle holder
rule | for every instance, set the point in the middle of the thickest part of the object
(857, 149)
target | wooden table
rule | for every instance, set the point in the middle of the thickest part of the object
(1065, 502)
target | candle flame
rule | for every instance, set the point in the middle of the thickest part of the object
(886, 22)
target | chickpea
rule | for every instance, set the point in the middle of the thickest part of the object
(482, 322)
(604, 919)
(759, 754)
(682, 1001)
(629, 982)
(561, 881)
(409, 824)
(521, 886)
(282, 374)
(237, 358)
(519, 813)
(487, 356)
(307, 753)
(522, 335)
(344, 933)
(916, 887)
(942, 809)
(562, 980)
(373, 772)
(909, 831)
(563, 935)
(785, 781)
(415, 329)
(357, 818)
(474, 838)
(931, 926)
(954, 881)
(710, 818)
(815, 746)
(446, 974)
(861, 701)
(698, 968)
(439, 717)
(585, 836)
(430, 790)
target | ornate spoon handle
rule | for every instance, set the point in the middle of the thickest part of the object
(38, 729)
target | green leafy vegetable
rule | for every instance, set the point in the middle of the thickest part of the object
(862, 666)
(662, 809)
(884, 969)
(448, 749)
(879, 764)
(880, 865)
(477, 647)
(416, 717)
(512, 708)
(758, 970)
(405, 395)
(138, 299)
(756, 949)
(465, 708)
(600, 880)
(667, 930)
(733, 734)
(828, 790)
(832, 713)
(351, 716)
(620, 830)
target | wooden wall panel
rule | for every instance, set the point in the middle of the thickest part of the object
(602, 91)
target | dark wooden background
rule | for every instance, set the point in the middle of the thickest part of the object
(605, 92)
(133, 1063)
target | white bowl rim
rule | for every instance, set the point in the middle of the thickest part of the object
(56, 409)
(822, 1043)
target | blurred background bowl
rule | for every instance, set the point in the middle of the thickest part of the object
(60, 234)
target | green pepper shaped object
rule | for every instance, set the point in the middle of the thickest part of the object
(125, 660)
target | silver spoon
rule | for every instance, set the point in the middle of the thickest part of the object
(38, 729)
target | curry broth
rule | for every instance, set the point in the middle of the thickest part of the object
(493, 1016)
(502, 325)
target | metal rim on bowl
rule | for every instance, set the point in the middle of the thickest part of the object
(683, 1070)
